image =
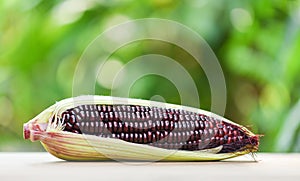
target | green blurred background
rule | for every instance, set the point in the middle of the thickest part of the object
(257, 44)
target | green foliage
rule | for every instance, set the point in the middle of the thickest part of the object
(256, 42)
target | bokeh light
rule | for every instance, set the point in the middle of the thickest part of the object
(256, 42)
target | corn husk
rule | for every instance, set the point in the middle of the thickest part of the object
(81, 147)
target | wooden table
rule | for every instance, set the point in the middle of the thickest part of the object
(44, 167)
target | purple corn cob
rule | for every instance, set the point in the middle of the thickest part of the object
(158, 127)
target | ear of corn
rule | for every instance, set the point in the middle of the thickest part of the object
(103, 127)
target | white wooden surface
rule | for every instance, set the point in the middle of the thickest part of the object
(44, 167)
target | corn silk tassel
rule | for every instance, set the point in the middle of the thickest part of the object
(88, 128)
